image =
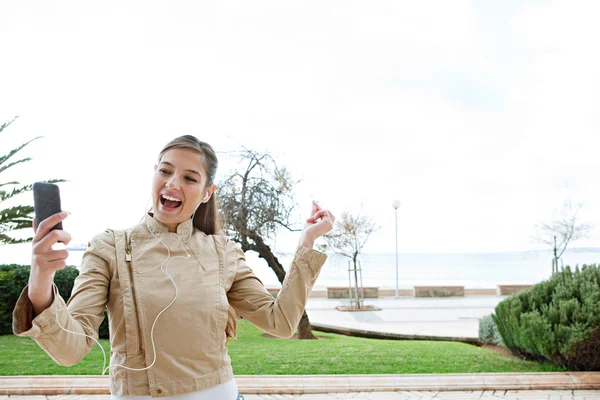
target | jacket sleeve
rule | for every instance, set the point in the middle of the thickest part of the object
(249, 297)
(83, 313)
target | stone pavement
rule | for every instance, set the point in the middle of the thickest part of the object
(491, 394)
(445, 317)
(550, 386)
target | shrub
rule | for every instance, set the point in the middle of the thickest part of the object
(488, 332)
(557, 320)
(13, 278)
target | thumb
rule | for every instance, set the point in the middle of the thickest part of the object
(314, 208)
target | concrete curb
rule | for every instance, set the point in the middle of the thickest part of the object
(305, 384)
(391, 336)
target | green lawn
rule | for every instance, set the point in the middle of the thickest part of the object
(253, 354)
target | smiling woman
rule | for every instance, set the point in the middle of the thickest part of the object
(127, 272)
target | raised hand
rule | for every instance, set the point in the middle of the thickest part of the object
(44, 256)
(317, 224)
(45, 260)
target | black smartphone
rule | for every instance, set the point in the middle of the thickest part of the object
(46, 202)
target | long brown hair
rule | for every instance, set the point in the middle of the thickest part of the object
(206, 218)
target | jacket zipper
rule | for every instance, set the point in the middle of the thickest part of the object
(140, 350)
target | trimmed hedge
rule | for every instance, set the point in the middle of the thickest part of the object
(557, 320)
(13, 278)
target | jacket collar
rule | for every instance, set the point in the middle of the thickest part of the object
(184, 228)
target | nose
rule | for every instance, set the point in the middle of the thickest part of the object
(172, 183)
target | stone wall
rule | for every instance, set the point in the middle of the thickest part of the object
(439, 291)
(342, 292)
(507, 290)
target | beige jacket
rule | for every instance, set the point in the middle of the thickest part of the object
(189, 337)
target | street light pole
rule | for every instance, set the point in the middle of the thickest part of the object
(396, 204)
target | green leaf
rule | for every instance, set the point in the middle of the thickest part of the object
(23, 160)
(6, 124)
(14, 151)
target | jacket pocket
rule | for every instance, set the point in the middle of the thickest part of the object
(124, 381)
(117, 372)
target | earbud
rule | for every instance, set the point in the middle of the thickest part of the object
(205, 198)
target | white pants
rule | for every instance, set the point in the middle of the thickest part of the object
(224, 391)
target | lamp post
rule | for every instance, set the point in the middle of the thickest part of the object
(396, 204)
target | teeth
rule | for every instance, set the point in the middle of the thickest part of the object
(170, 198)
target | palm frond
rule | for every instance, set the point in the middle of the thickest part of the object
(16, 217)
(7, 195)
(16, 191)
(6, 124)
(14, 151)
(5, 239)
(15, 213)
(23, 160)
(9, 183)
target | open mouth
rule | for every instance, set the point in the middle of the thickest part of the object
(169, 202)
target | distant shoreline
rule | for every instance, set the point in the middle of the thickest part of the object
(470, 270)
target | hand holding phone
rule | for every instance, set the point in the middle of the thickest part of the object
(45, 259)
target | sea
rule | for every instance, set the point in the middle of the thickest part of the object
(472, 270)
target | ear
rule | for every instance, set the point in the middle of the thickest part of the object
(209, 192)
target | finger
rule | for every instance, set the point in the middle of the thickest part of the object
(331, 220)
(42, 262)
(34, 226)
(326, 218)
(55, 236)
(47, 224)
(56, 265)
(58, 255)
(331, 217)
(316, 204)
(320, 214)
(313, 208)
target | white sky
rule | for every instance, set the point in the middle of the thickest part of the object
(480, 117)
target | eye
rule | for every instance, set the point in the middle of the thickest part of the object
(164, 171)
(189, 178)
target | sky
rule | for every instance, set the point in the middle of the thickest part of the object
(480, 117)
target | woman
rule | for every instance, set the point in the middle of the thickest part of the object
(169, 321)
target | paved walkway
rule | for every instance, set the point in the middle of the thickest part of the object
(571, 385)
(503, 394)
(450, 316)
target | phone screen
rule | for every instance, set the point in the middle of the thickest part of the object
(46, 200)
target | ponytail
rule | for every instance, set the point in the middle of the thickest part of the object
(207, 217)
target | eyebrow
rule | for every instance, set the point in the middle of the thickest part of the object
(188, 170)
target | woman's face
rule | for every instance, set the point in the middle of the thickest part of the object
(178, 186)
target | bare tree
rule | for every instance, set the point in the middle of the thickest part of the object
(348, 237)
(256, 203)
(560, 232)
